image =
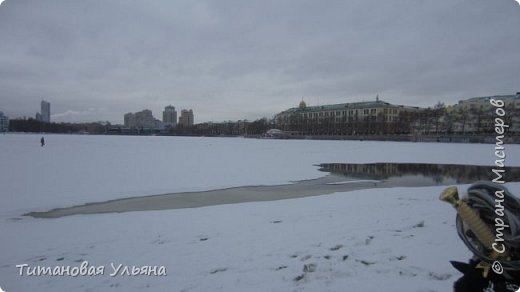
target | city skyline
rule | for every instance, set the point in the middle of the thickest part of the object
(170, 117)
(235, 60)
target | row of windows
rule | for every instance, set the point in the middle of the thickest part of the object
(365, 112)
(287, 119)
(371, 111)
(390, 111)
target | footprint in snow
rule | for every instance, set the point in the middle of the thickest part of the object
(160, 241)
(218, 270)
(397, 258)
(305, 258)
(280, 268)
(299, 278)
(419, 225)
(440, 277)
(309, 268)
(407, 274)
(366, 263)
(337, 247)
(37, 259)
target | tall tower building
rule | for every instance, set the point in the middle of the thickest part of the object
(186, 118)
(170, 116)
(4, 122)
(45, 112)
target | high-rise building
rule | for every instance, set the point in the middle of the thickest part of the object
(186, 118)
(4, 122)
(145, 119)
(170, 116)
(142, 120)
(45, 112)
(130, 120)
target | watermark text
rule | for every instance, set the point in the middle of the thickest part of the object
(499, 173)
(85, 269)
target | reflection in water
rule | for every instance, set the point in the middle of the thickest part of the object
(438, 173)
(342, 178)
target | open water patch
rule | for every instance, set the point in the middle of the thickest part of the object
(418, 174)
(341, 177)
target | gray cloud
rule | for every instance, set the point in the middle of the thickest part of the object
(229, 59)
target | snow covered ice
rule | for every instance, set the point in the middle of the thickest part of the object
(401, 238)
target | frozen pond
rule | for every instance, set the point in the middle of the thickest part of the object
(73, 170)
(341, 178)
(368, 231)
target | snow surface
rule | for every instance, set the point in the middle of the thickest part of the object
(399, 239)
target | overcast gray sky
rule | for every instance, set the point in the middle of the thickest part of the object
(238, 59)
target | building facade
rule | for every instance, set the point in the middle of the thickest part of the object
(472, 116)
(357, 118)
(511, 101)
(4, 122)
(142, 120)
(477, 115)
(45, 112)
(186, 118)
(170, 116)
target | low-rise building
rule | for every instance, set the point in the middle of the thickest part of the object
(472, 116)
(483, 103)
(356, 118)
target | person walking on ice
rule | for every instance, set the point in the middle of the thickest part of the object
(42, 141)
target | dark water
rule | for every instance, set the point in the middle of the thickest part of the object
(341, 177)
(438, 174)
